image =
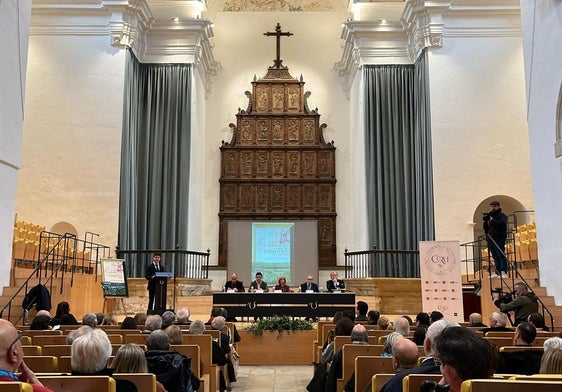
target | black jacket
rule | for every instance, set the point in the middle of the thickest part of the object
(172, 369)
(497, 226)
(38, 296)
(150, 272)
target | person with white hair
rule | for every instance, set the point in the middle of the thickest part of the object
(402, 326)
(428, 365)
(153, 322)
(552, 343)
(183, 316)
(90, 319)
(89, 355)
(498, 322)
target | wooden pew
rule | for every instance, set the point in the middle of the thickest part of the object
(365, 368)
(193, 352)
(412, 382)
(15, 386)
(56, 350)
(378, 380)
(206, 351)
(42, 363)
(497, 385)
(138, 338)
(32, 350)
(143, 381)
(79, 383)
(352, 351)
(42, 340)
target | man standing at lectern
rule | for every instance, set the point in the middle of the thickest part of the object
(151, 271)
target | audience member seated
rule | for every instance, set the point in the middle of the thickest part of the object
(358, 336)
(373, 317)
(234, 285)
(40, 323)
(404, 356)
(343, 328)
(171, 368)
(361, 311)
(130, 359)
(75, 333)
(435, 316)
(282, 285)
(63, 309)
(153, 323)
(12, 360)
(109, 319)
(523, 361)
(309, 285)
(387, 346)
(498, 322)
(402, 326)
(218, 358)
(174, 333)
(140, 318)
(168, 318)
(90, 319)
(475, 320)
(334, 283)
(419, 335)
(464, 355)
(422, 320)
(258, 284)
(428, 365)
(89, 355)
(183, 317)
(537, 321)
(383, 323)
(218, 324)
(551, 362)
(552, 343)
(129, 323)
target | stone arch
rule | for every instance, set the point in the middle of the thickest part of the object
(64, 227)
(508, 204)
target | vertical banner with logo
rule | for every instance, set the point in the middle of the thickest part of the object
(441, 284)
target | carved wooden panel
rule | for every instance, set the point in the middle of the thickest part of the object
(277, 165)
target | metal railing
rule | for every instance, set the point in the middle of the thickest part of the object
(58, 255)
(386, 263)
(182, 263)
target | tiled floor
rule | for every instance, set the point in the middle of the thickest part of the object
(272, 378)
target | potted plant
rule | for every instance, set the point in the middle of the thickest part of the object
(279, 324)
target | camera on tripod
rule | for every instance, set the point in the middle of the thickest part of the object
(486, 216)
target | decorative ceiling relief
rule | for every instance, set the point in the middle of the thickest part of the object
(277, 5)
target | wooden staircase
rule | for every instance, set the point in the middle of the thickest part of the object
(531, 277)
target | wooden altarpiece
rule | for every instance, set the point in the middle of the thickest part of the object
(277, 165)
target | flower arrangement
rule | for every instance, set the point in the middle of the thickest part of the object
(279, 324)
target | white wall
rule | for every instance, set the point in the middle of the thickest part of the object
(243, 51)
(72, 134)
(14, 32)
(542, 27)
(480, 142)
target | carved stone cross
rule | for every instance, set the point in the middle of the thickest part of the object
(277, 63)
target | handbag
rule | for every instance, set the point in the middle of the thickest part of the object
(233, 364)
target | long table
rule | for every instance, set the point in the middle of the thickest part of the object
(289, 304)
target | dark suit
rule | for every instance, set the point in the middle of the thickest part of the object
(313, 287)
(331, 286)
(428, 366)
(238, 285)
(520, 362)
(255, 286)
(151, 286)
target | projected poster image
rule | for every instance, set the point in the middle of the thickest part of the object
(272, 250)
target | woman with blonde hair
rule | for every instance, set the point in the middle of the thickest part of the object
(174, 334)
(551, 362)
(130, 359)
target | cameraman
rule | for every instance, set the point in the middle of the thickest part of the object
(495, 227)
(524, 303)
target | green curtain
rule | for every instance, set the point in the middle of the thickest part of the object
(398, 164)
(155, 156)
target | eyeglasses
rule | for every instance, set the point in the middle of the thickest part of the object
(308, 278)
(20, 335)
